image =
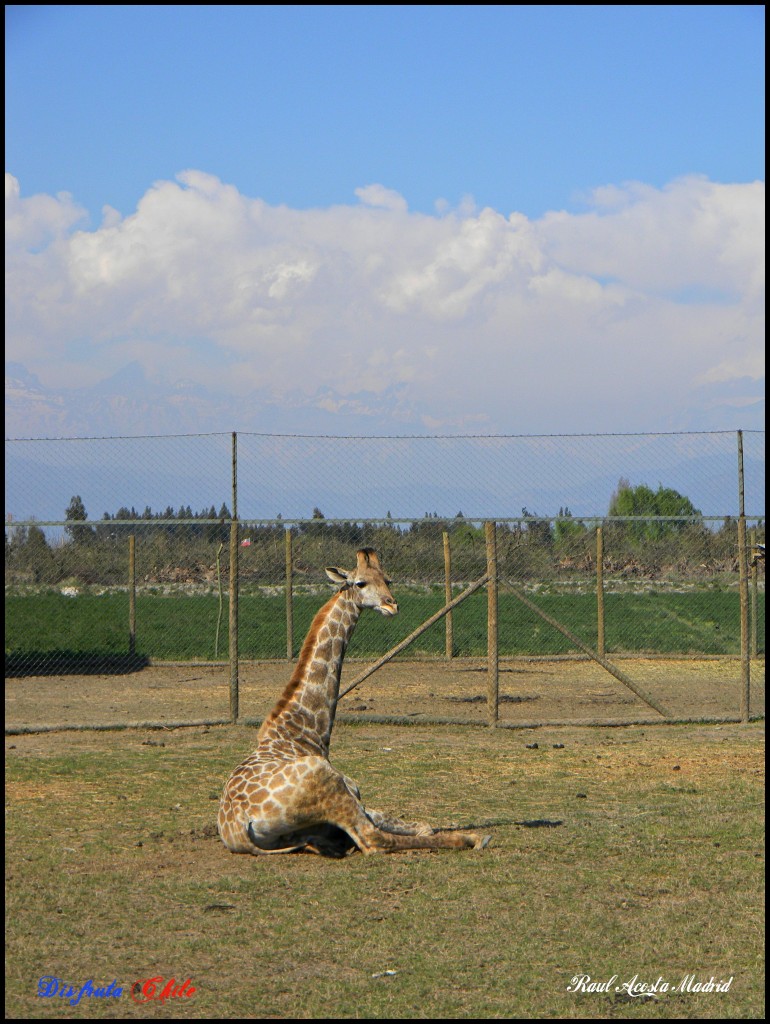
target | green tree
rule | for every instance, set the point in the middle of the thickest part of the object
(566, 528)
(76, 516)
(317, 526)
(645, 503)
(538, 530)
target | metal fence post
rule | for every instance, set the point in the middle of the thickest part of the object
(132, 595)
(234, 583)
(743, 583)
(492, 652)
(600, 591)
(753, 568)
(448, 596)
(289, 599)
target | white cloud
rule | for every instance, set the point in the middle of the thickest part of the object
(36, 220)
(692, 233)
(379, 196)
(746, 364)
(607, 320)
(464, 259)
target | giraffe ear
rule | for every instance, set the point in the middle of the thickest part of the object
(337, 575)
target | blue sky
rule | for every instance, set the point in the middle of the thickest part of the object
(524, 108)
(385, 219)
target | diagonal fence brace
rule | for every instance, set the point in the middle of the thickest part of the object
(417, 632)
(606, 665)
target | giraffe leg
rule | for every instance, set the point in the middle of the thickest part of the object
(325, 840)
(375, 832)
(263, 843)
(328, 841)
(389, 823)
(323, 814)
(371, 839)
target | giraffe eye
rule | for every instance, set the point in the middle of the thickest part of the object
(361, 584)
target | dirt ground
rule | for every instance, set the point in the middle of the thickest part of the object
(530, 692)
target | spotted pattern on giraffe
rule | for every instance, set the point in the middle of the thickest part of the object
(286, 797)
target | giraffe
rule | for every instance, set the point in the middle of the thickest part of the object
(286, 797)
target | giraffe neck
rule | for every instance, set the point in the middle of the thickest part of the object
(302, 720)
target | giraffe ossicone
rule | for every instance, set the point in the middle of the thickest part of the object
(286, 796)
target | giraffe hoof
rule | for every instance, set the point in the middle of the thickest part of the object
(483, 843)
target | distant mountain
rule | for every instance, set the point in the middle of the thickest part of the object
(406, 475)
(19, 376)
(30, 409)
(130, 403)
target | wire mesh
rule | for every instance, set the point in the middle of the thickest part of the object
(83, 598)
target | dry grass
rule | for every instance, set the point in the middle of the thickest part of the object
(634, 851)
(531, 690)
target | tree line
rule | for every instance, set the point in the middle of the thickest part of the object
(640, 501)
(644, 527)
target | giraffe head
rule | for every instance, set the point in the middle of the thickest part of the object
(367, 583)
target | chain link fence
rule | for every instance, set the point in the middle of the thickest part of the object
(209, 550)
